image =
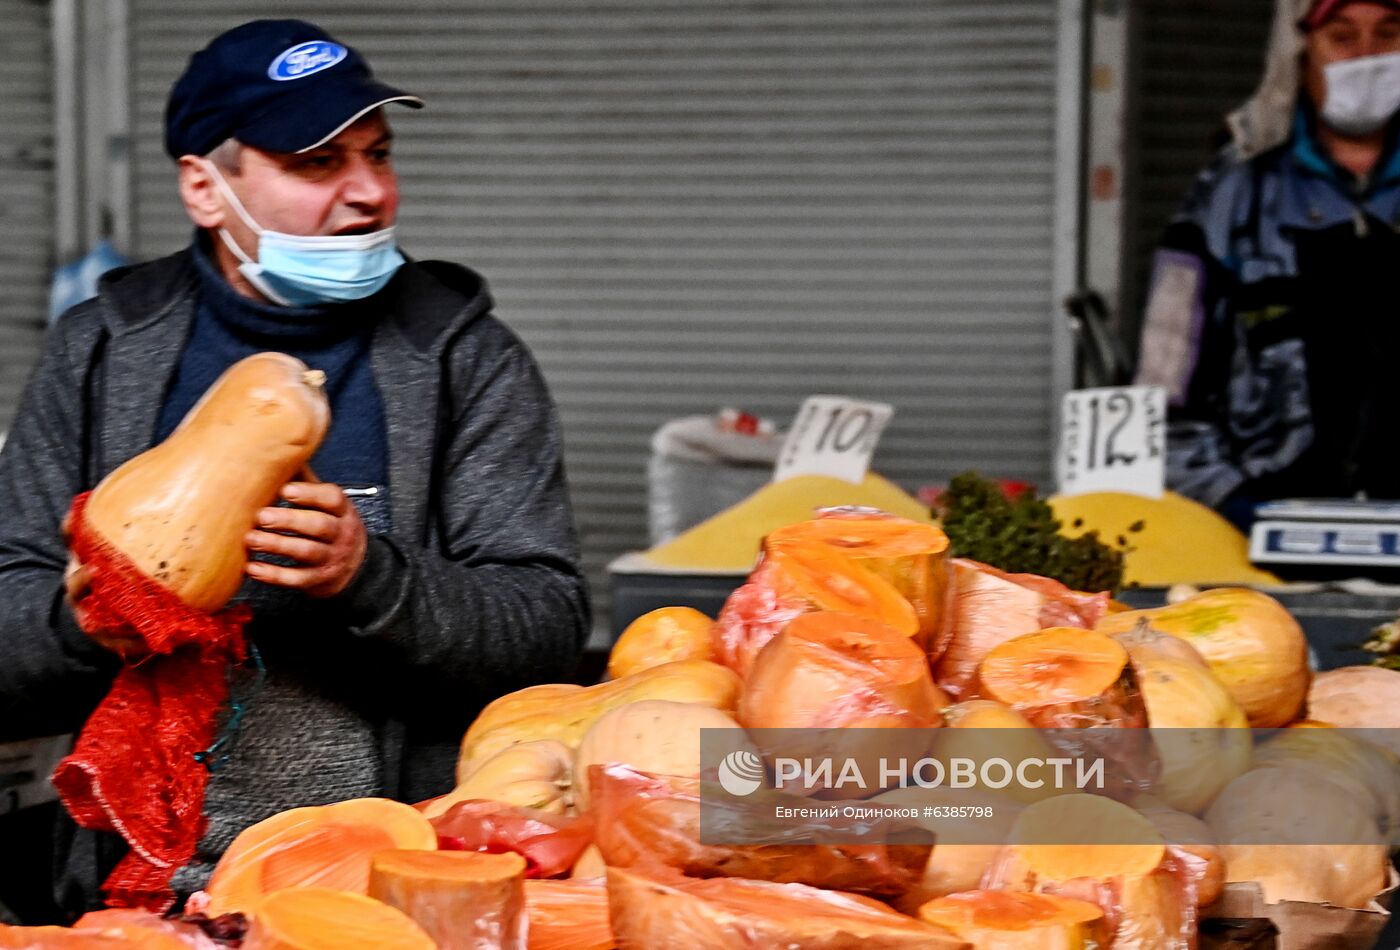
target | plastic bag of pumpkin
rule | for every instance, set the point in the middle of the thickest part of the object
(854, 561)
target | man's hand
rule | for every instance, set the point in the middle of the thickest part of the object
(77, 584)
(324, 535)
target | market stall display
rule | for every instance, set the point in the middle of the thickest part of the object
(580, 820)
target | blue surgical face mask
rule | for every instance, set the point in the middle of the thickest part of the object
(303, 270)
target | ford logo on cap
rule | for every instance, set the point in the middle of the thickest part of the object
(305, 59)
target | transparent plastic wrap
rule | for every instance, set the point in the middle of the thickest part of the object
(550, 844)
(990, 607)
(328, 846)
(317, 918)
(1098, 850)
(568, 915)
(1079, 687)
(829, 670)
(912, 556)
(659, 908)
(796, 578)
(1001, 920)
(655, 821)
(118, 929)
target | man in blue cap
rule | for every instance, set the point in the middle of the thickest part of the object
(432, 566)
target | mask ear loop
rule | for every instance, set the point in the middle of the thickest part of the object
(242, 212)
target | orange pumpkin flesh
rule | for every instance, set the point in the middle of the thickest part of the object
(910, 555)
(1052, 667)
(654, 910)
(106, 930)
(832, 581)
(568, 915)
(318, 918)
(661, 636)
(1002, 920)
(990, 607)
(180, 510)
(798, 577)
(1085, 836)
(462, 899)
(327, 846)
(831, 669)
(1078, 684)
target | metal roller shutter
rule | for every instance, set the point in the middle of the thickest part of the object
(26, 192)
(683, 206)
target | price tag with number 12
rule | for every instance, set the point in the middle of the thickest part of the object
(1113, 439)
(832, 436)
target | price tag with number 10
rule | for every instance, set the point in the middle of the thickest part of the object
(1113, 439)
(832, 436)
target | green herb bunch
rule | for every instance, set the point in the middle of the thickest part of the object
(1023, 536)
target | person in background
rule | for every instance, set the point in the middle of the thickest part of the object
(1272, 320)
(431, 567)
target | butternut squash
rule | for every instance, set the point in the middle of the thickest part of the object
(656, 736)
(1301, 836)
(327, 846)
(1200, 732)
(1359, 697)
(536, 775)
(1251, 643)
(661, 636)
(179, 511)
(565, 712)
(464, 900)
(319, 918)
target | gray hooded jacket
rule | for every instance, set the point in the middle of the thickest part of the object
(473, 591)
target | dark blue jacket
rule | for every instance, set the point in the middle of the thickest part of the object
(1274, 324)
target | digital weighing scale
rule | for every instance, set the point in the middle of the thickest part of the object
(1331, 536)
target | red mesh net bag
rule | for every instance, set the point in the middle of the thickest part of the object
(134, 769)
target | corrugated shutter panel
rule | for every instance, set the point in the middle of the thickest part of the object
(1199, 60)
(26, 192)
(683, 206)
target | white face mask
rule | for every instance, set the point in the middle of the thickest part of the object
(304, 270)
(1362, 94)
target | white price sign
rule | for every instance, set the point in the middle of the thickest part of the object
(832, 436)
(1113, 439)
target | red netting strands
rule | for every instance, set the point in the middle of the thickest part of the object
(133, 769)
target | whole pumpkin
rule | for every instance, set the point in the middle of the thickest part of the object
(653, 735)
(1199, 730)
(1250, 641)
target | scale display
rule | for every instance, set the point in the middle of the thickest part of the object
(1326, 531)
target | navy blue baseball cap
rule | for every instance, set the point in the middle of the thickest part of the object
(278, 85)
